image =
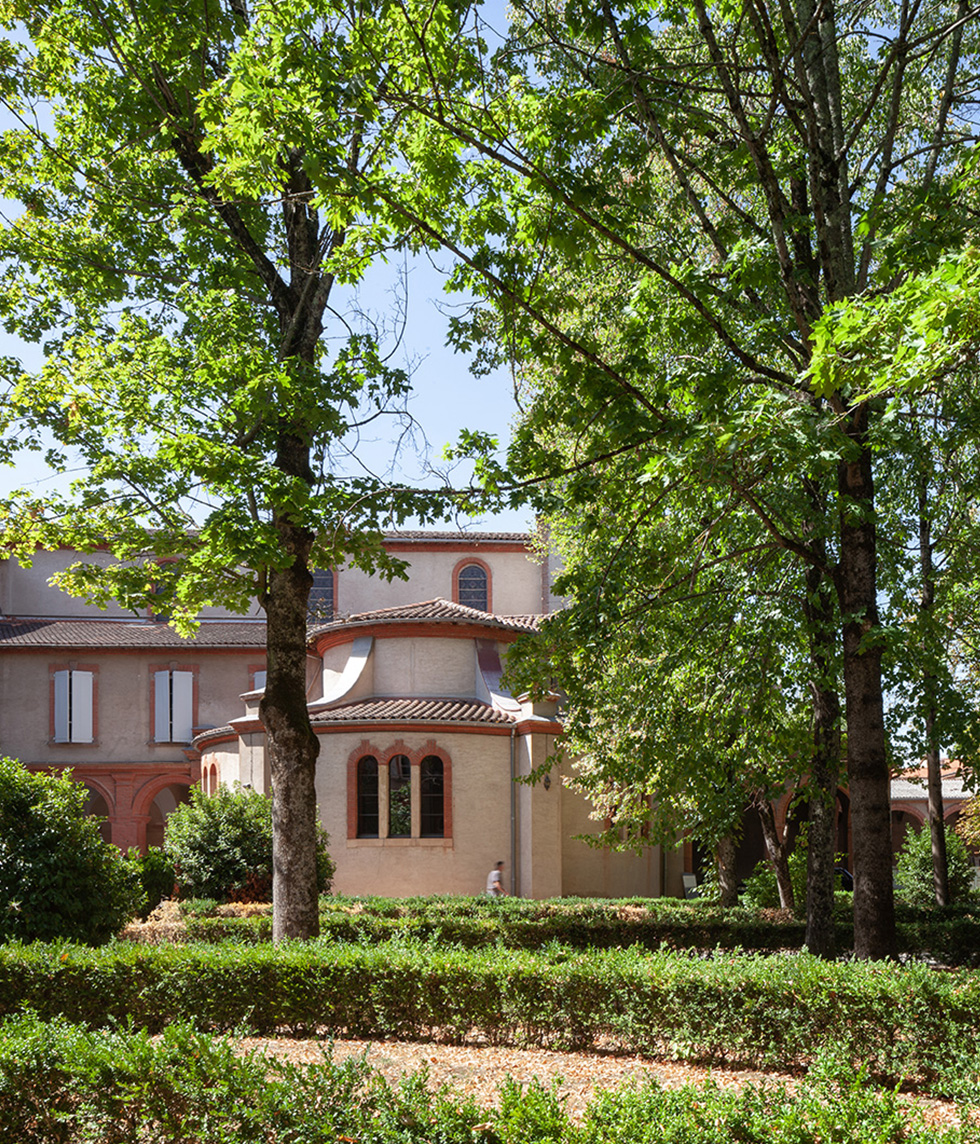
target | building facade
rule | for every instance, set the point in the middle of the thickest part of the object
(420, 742)
(422, 749)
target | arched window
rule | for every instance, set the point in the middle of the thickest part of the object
(367, 797)
(320, 606)
(433, 814)
(473, 587)
(399, 797)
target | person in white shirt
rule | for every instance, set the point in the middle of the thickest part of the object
(495, 882)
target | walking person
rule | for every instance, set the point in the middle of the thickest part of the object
(495, 882)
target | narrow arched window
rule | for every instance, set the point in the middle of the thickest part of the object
(320, 606)
(367, 797)
(473, 587)
(433, 795)
(399, 797)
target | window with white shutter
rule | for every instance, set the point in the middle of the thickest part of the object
(74, 693)
(173, 706)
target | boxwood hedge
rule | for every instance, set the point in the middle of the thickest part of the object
(901, 1022)
(951, 936)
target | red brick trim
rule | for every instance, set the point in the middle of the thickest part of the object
(384, 757)
(464, 544)
(115, 649)
(379, 727)
(252, 669)
(465, 563)
(405, 629)
(72, 665)
(431, 747)
(364, 748)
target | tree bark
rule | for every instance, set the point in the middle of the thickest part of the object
(825, 762)
(776, 849)
(934, 773)
(290, 740)
(867, 762)
(727, 880)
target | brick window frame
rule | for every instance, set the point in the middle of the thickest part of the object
(415, 757)
(470, 562)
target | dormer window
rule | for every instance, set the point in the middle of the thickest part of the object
(472, 586)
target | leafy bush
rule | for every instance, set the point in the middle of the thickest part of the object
(156, 874)
(58, 878)
(62, 1084)
(914, 875)
(761, 891)
(221, 847)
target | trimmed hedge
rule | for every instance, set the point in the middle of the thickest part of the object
(61, 1084)
(951, 936)
(770, 1012)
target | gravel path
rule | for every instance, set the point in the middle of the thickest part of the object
(479, 1070)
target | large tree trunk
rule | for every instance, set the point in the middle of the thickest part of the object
(867, 763)
(292, 745)
(776, 849)
(825, 762)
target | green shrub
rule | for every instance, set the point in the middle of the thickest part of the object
(914, 877)
(62, 1084)
(58, 878)
(221, 847)
(761, 891)
(906, 1024)
(156, 874)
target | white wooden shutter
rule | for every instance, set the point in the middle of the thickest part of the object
(82, 692)
(182, 711)
(161, 707)
(61, 722)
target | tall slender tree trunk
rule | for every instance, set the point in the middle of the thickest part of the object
(825, 761)
(934, 772)
(776, 850)
(867, 763)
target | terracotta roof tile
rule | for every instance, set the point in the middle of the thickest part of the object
(413, 711)
(80, 633)
(442, 611)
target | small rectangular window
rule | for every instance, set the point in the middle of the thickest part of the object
(73, 706)
(433, 795)
(368, 819)
(399, 797)
(173, 706)
(320, 606)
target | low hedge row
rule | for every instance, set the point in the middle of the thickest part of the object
(62, 1084)
(951, 937)
(746, 931)
(774, 1012)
